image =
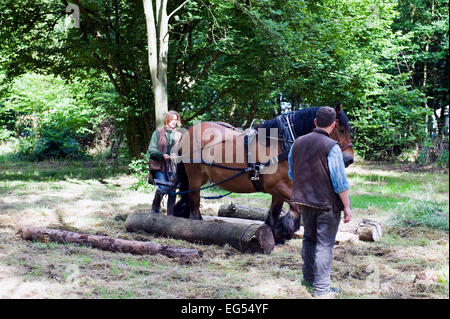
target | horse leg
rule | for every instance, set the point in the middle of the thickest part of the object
(273, 220)
(289, 223)
(194, 199)
(182, 207)
(196, 180)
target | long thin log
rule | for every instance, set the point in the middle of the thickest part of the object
(105, 243)
(240, 211)
(253, 238)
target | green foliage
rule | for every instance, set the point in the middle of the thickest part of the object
(423, 50)
(53, 119)
(25, 148)
(139, 169)
(434, 151)
(383, 132)
(233, 60)
(56, 142)
(5, 134)
(443, 159)
(53, 142)
(424, 213)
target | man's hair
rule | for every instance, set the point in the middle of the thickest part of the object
(325, 116)
(169, 115)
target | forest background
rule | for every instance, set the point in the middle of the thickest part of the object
(76, 90)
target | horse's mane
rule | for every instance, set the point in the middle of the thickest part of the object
(303, 121)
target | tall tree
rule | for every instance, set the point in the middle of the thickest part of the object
(158, 52)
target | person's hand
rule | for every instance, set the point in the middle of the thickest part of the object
(166, 157)
(347, 214)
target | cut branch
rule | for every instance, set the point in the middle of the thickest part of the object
(105, 243)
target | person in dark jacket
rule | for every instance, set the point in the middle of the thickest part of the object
(161, 143)
(320, 187)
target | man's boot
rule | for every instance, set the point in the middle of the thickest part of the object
(170, 204)
(156, 205)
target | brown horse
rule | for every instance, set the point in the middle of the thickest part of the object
(211, 151)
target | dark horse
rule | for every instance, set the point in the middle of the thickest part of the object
(214, 152)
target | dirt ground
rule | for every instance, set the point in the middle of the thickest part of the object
(384, 269)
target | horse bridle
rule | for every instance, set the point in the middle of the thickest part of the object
(346, 146)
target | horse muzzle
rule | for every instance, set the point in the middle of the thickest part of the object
(348, 160)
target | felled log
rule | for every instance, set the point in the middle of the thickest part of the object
(244, 212)
(341, 237)
(105, 243)
(369, 230)
(253, 238)
(232, 220)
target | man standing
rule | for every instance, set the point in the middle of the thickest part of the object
(320, 187)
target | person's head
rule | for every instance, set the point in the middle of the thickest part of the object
(325, 118)
(172, 119)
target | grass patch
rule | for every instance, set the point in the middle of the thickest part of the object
(109, 293)
(376, 201)
(423, 213)
(60, 171)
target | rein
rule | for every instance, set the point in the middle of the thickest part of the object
(245, 170)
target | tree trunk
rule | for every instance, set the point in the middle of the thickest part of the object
(245, 238)
(138, 133)
(245, 212)
(158, 49)
(105, 243)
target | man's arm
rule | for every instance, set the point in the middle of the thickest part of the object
(339, 179)
(291, 176)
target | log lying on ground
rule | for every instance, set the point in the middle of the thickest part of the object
(232, 220)
(253, 238)
(341, 237)
(369, 230)
(240, 211)
(105, 243)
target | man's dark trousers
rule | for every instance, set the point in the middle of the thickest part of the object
(320, 229)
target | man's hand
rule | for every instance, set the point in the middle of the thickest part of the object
(347, 206)
(166, 157)
(347, 214)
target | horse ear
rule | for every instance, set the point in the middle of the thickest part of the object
(338, 110)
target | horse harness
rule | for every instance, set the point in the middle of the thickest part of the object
(253, 168)
(287, 138)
